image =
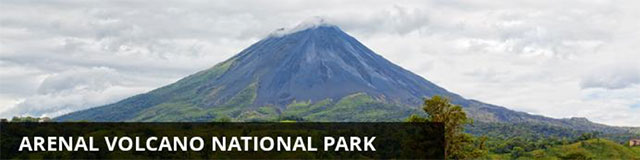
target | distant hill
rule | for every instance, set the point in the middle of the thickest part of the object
(315, 72)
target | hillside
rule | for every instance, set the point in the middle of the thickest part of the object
(588, 149)
(317, 73)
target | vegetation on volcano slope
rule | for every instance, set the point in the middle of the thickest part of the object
(358, 107)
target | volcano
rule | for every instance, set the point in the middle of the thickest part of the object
(314, 72)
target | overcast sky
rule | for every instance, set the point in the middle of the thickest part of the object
(574, 58)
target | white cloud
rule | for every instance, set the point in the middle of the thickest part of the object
(561, 59)
(614, 77)
(75, 89)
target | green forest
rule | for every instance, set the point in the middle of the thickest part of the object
(509, 141)
(468, 139)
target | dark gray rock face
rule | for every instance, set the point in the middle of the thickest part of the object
(318, 63)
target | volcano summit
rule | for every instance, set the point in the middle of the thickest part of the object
(317, 72)
(314, 72)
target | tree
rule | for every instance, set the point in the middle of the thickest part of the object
(223, 118)
(26, 119)
(578, 155)
(290, 118)
(516, 152)
(587, 136)
(457, 145)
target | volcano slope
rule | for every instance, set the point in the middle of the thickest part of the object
(315, 73)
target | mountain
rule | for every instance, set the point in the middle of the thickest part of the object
(314, 72)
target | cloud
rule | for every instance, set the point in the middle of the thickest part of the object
(396, 20)
(612, 78)
(636, 105)
(559, 59)
(535, 58)
(74, 90)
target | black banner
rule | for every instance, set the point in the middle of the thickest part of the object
(221, 140)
